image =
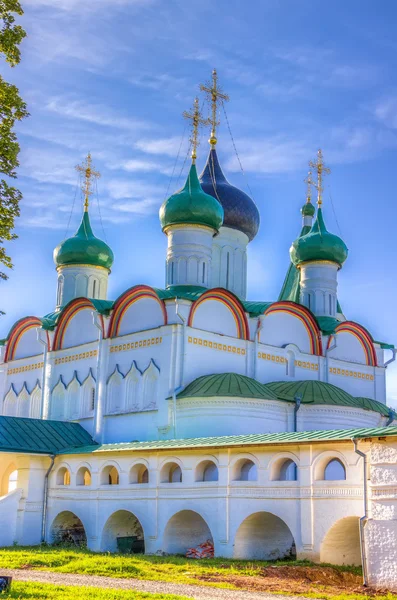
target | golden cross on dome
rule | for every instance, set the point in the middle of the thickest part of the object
(90, 174)
(197, 120)
(321, 170)
(309, 182)
(214, 96)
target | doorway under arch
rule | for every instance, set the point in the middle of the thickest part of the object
(186, 529)
(264, 536)
(341, 544)
(122, 524)
(67, 528)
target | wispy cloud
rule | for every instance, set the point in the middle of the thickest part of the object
(166, 146)
(386, 111)
(94, 113)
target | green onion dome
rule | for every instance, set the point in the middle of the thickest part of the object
(308, 209)
(318, 244)
(83, 248)
(191, 205)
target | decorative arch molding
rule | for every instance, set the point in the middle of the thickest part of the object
(70, 311)
(363, 336)
(16, 333)
(231, 302)
(10, 402)
(306, 317)
(126, 300)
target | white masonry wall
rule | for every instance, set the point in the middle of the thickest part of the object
(381, 529)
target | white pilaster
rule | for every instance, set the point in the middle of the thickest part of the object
(189, 255)
(229, 261)
(319, 285)
(76, 281)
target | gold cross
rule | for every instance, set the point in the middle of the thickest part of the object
(309, 183)
(197, 120)
(89, 174)
(214, 95)
(321, 170)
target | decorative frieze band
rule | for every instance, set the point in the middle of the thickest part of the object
(273, 357)
(25, 368)
(303, 364)
(348, 373)
(73, 357)
(216, 346)
(154, 341)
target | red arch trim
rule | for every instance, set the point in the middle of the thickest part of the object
(129, 297)
(17, 332)
(306, 317)
(363, 336)
(232, 303)
(70, 311)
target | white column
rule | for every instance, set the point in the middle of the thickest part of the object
(76, 281)
(229, 266)
(100, 390)
(319, 286)
(189, 255)
(47, 385)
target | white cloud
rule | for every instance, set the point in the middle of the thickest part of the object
(119, 189)
(139, 207)
(271, 155)
(386, 111)
(93, 113)
(165, 146)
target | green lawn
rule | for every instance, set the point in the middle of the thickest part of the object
(136, 566)
(217, 572)
(47, 591)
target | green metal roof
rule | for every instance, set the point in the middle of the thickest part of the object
(84, 248)
(185, 292)
(255, 309)
(101, 306)
(191, 205)
(327, 324)
(385, 346)
(227, 384)
(310, 391)
(319, 392)
(291, 286)
(37, 436)
(318, 244)
(255, 439)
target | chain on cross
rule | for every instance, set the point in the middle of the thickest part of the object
(214, 96)
(196, 118)
(89, 173)
(321, 170)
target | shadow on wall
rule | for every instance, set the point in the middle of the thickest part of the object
(119, 526)
(184, 530)
(341, 544)
(68, 529)
(263, 536)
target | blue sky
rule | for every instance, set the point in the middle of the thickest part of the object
(114, 76)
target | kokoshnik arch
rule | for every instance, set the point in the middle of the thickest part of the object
(268, 413)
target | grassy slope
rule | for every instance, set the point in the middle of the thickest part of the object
(46, 591)
(157, 568)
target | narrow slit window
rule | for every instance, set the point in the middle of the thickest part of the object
(227, 269)
(92, 398)
(94, 289)
(203, 272)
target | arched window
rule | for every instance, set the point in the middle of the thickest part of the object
(23, 402)
(175, 475)
(35, 403)
(83, 476)
(210, 472)
(58, 401)
(245, 470)
(63, 476)
(10, 403)
(110, 476)
(115, 399)
(94, 286)
(73, 398)
(204, 272)
(139, 474)
(132, 388)
(150, 379)
(288, 471)
(335, 470)
(12, 481)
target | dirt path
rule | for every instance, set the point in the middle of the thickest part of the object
(196, 592)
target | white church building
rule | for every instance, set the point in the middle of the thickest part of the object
(175, 415)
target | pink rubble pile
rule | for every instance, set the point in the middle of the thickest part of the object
(204, 550)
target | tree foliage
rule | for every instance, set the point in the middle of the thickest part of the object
(12, 109)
